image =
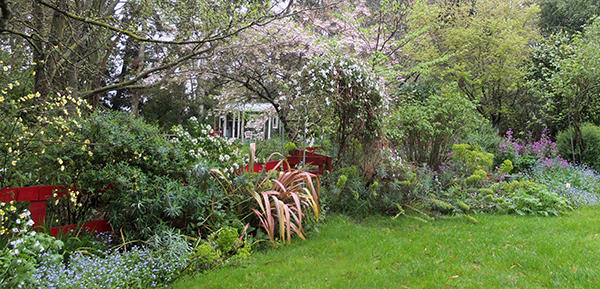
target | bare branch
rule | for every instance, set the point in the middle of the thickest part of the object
(258, 22)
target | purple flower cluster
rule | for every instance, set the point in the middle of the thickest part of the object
(446, 173)
(541, 148)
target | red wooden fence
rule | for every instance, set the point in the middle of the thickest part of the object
(37, 196)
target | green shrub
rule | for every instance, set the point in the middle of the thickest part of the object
(200, 146)
(425, 131)
(485, 136)
(289, 146)
(221, 246)
(511, 188)
(380, 190)
(31, 126)
(348, 192)
(264, 148)
(472, 159)
(537, 200)
(476, 177)
(506, 167)
(590, 154)
(530, 198)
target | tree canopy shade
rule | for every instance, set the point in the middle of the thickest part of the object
(567, 15)
(575, 85)
(257, 62)
(100, 49)
(373, 31)
(485, 43)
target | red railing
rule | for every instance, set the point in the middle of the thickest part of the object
(38, 196)
(296, 157)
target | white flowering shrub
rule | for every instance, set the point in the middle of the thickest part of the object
(344, 100)
(22, 249)
(202, 145)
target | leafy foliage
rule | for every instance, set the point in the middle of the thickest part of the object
(575, 85)
(22, 249)
(425, 131)
(484, 42)
(30, 127)
(473, 160)
(343, 99)
(222, 246)
(349, 193)
(534, 199)
(124, 47)
(590, 154)
(202, 145)
(567, 15)
(485, 136)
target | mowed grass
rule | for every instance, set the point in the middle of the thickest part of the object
(499, 252)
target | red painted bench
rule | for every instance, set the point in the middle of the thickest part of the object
(323, 162)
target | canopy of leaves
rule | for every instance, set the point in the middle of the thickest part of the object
(486, 43)
(575, 86)
(567, 15)
(107, 51)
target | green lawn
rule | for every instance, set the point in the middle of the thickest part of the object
(498, 252)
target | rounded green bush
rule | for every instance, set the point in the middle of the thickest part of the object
(591, 143)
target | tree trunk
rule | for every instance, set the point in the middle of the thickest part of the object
(39, 55)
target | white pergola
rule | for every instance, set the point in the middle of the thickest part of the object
(238, 122)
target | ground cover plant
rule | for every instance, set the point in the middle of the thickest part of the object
(523, 252)
(578, 183)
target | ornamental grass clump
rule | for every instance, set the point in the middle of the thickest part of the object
(283, 200)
